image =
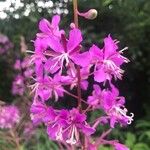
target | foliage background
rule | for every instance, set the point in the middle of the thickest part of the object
(126, 20)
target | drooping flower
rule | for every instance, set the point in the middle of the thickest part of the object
(107, 61)
(67, 126)
(9, 116)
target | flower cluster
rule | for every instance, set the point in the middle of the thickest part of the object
(5, 44)
(25, 71)
(60, 63)
(9, 116)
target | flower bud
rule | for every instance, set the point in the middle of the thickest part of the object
(90, 14)
(72, 25)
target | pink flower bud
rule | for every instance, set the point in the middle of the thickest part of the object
(90, 14)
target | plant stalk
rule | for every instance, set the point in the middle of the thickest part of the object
(76, 22)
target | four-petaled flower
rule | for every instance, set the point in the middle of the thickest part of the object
(107, 61)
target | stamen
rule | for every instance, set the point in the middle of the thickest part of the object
(72, 139)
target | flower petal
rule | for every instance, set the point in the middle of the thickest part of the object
(100, 75)
(82, 59)
(75, 38)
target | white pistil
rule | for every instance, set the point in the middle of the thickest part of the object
(72, 140)
(123, 112)
(59, 134)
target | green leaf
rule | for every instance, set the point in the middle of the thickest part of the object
(141, 146)
(131, 139)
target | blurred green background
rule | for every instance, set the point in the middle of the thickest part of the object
(126, 20)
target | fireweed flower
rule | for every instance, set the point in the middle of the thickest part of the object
(46, 87)
(9, 116)
(18, 85)
(25, 72)
(119, 146)
(107, 61)
(65, 51)
(96, 97)
(71, 77)
(5, 44)
(67, 126)
(113, 105)
(40, 113)
(17, 65)
(50, 29)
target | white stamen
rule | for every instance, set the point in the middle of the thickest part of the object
(72, 139)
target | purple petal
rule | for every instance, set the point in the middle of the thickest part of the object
(55, 20)
(96, 53)
(110, 46)
(55, 44)
(100, 75)
(86, 129)
(44, 26)
(51, 66)
(84, 85)
(75, 38)
(82, 59)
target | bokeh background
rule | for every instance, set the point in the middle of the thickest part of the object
(126, 20)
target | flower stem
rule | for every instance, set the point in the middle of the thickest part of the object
(75, 9)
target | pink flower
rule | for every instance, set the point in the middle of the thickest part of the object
(17, 64)
(113, 105)
(67, 126)
(50, 29)
(119, 146)
(40, 113)
(64, 51)
(96, 98)
(46, 87)
(18, 86)
(107, 61)
(9, 116)
(71, 77)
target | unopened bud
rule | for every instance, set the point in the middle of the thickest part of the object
(91, 14)
(72, 25)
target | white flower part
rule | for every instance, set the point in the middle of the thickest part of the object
(72, 139)
(109, 65)
(60, 59)
(59, 135)
(123, 112)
